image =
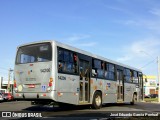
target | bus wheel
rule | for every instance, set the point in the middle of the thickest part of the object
(97, 100)
(133, 99)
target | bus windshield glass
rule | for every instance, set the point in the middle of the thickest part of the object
(41, 52)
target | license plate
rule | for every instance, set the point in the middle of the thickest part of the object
(31, 86)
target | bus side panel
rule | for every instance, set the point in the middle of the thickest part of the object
(110, 91)
(128, 91)
(68, 88)
(107, 87)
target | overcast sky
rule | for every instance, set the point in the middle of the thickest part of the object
(127, 31)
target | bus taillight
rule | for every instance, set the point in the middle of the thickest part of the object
(15, 86)
(50, 82)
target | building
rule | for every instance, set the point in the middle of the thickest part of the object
(4, 85)
(150, 86)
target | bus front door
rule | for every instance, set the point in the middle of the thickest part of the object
(120, 86)
(84, 81)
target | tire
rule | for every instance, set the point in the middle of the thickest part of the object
(133, 99)
(97, 100)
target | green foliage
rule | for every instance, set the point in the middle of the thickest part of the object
(151, 99)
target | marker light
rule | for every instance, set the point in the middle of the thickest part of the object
(51, 80)
(15, 85)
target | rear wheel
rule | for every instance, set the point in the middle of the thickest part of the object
(97, 100)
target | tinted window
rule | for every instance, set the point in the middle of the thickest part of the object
(97, 68)
(128, 75)
(100, 73)
(66, 56)
(110, 71)
(97, 64)
(135, 77)
(34, 53)
(110, 67)
(71, 57)
(67, 61)
(60, 55)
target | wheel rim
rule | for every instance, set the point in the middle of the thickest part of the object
(98, 100)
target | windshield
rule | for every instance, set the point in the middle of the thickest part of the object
(34, 53)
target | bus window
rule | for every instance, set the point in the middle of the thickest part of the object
(60, 55)
(97, 68)
(34, 53)
(127, 75)
(70, 67)
(66, 56)
(135, 77)
(100, 73)
(27, 58)
(97, 64)
(66, 62)
(71, 57)
(132, 75)
(110, 71)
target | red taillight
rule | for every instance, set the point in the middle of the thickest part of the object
(31, 86)
(30, 64)
(50, 82)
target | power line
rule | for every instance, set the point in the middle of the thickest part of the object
(148, 63)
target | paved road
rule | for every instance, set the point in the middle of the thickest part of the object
(79, 111)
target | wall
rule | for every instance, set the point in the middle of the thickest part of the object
(150, 85)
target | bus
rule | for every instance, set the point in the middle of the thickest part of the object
(55, 72)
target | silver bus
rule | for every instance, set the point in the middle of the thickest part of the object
(54, 72)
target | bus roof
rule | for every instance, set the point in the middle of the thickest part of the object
(43, 41)
(82, 52)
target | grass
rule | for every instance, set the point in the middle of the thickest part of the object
(151, 99)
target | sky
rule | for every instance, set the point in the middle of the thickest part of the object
(126, 31)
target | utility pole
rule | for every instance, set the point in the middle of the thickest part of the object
(158, 62)
(9, 75)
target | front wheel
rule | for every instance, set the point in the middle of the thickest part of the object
(97, 100)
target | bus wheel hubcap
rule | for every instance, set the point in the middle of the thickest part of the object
(98, 100)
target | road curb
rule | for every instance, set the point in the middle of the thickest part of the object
(150, 102)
